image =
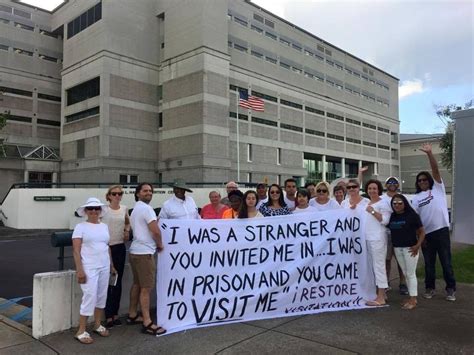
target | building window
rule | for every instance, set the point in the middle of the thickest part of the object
(314, 110)
(291, 127)
(314, 132)
(278, 156)
(38, 177)
(249, 153)
(335, 136)
(80, 148)
(285, 42)
(269, 23)
(264, 121)
(271, 60)
(394, 137)
(48, 58)
(333, 115)
(85, 20)
(264, 96)
(4, 47)
(4, 90)
(23, 51)
(249, 177)
(256, 29)
(271, 35)
(49, 97)
(48, 122)
(83, 91)
(258, 18)
(291, 104)
(160, 92)
(128, 179)
(160, 120)
(368, 125)
(24, 27)
(240, 21)
(82, 114)
(284, 65)
(256, 54)
(240, 48)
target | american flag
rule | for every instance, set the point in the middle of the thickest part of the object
(251, 102)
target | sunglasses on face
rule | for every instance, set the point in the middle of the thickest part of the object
(95, 208)
(422, 180)
(321, 191)
(397, 203)
(274, 192)
(117, 193)
(392, 183)
(349, 187)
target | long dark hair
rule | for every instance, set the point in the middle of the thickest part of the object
(281, 200)
(408, 209)
(428, 176)
(244, 210)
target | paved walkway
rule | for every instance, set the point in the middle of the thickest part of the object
(435, 326)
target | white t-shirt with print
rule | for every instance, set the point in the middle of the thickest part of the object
(432, 207)
(143, 242)
(95, 244)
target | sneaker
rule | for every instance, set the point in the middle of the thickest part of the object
(429, 293)
(450, 295)
(403, 289)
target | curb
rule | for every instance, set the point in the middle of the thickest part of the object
(18, 326)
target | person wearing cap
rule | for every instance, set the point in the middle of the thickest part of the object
(179, 206)
(90, 241)
(146, 240)
(391, 185)
(262, 194)
(230, 186)
(235, 198)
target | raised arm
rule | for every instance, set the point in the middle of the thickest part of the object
(360, 174)
(433, 163)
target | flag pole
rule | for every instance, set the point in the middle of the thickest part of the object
(238, 139)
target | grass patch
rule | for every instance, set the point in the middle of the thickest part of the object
(463, 266)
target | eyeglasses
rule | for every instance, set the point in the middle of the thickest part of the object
(392, 183)
(321, 191)
(397, 203)
(274, 192)
(94, 208)
(352, 187)
(117, 193)
(422, 180)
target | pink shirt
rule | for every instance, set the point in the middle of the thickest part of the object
(208, 212)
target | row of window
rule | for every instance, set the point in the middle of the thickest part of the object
(84, 91)
(82, 114)
(312, 53)
(315, 76)
(30, 120)
(313, 132)
(4, 89)
(86, 19)
(29, 53)
(24, 26)
(309, 109)
(15, 12)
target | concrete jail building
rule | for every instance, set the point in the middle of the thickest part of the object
(130, 91)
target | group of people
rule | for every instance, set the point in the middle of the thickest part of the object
(393, 226)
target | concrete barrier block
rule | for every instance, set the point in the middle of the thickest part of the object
(76, 298)
(52, 302)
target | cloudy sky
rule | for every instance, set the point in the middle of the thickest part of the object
(427, 44)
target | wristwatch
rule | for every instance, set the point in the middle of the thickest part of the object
(372, 212)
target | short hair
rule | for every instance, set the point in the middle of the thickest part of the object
(113, 187)
(231, 183)
(139, 188)
(237, 193)
(428, 176)
(261, 184)
(325, 184)
(376, 182)
(214, 191)
(289, 180)
(354, 181)
(308, 184)
(304, 193)
(338, 188)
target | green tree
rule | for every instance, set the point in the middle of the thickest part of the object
(446, 142)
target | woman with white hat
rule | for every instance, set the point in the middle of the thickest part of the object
(90, 241)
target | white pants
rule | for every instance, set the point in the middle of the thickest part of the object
(378, 251)
(408, 265)
(94, 291)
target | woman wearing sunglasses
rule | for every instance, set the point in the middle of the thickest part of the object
(276, 205)
(407, 236)
(322, 201)
(430, 203)
(376, 237)
(355, 200)
(119, 228)
(90, 241)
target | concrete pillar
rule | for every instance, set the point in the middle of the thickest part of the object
(55, 177)
(25, 176)
(376, 169)
(343, 167)
(324, 172)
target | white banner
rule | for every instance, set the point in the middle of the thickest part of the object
(222, 271)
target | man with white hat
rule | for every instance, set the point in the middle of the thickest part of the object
(179, 206)
(146, 239)
(392, 184)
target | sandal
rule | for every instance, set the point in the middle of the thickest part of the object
(409, 305)
(102, 331)
(134, 320)
(112, 323)
(84, 338)
(374, 303)
(148, 329)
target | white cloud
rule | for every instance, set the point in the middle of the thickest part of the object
(410, 87)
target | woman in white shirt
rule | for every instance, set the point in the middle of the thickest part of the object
(376, 237)
(248, 207)
(90, 241)
(118, 222)
(302, 202)
(355, 200)
(322, 201)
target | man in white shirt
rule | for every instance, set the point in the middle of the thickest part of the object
(179, 206)
(290, 196)
(430, 203)
(146, 239)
